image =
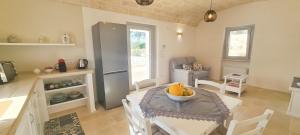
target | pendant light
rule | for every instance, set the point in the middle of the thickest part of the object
(210, 15)
(144, 2)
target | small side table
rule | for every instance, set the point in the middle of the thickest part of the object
(235, 83)
(294, 106)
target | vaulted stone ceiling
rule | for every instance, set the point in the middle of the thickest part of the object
(179, 11)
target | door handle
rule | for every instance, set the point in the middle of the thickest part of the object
(115, 72)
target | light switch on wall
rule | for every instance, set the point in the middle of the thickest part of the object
(162, 51)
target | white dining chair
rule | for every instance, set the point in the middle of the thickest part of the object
(146, 84)
(139, 125)
(221, 87)
(236, 127)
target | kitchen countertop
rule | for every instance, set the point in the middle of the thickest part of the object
(15, 95)
(64, 74)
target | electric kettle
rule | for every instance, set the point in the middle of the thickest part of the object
(82, 64)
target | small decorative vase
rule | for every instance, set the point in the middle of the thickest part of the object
(66, 39)
(12, 39)
(42, 39)
(37, 71)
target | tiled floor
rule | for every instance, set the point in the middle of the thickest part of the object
(255, 101)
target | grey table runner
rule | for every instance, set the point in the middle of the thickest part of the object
(204, 106)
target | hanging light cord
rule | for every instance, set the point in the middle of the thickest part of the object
(210, 4)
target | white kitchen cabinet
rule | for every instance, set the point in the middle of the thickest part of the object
(36, 111)
(24, 125)
(32, 121)
(40, 99)
(294, 106)
(29, 122)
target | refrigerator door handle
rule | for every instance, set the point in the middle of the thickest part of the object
(114, 72)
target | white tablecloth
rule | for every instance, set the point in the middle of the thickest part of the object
(182, 126)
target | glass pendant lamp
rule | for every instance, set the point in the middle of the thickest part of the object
(210, 15)
(144, 2)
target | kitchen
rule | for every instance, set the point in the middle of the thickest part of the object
(63, 86)
(39, 31)
(28, 100)
(65, 65)
(37, 53)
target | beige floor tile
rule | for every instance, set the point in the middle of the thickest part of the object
(295, 126)
(255, 101)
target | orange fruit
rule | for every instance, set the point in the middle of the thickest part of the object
(190, 92)
(176, 89)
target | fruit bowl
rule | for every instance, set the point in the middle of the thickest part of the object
(179, 98)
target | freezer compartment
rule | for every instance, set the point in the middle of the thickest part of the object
(116, 88)
(113, 38)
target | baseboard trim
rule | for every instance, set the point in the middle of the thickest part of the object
(286, 92)
(248, 85)
(293, 115)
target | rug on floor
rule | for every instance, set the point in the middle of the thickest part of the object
(64, 125)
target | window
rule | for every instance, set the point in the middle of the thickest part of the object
(238, 41)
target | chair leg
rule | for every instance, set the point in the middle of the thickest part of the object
(230, 118)
(221, 130)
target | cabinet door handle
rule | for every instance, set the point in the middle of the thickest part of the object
(31, 118)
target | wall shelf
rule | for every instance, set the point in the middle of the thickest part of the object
(66, 102)
(63, 89)
(36, 44)
(67, 105)
(86, 88)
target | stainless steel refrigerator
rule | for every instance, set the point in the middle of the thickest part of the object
(111, 62)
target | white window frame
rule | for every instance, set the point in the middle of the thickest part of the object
(250, 29)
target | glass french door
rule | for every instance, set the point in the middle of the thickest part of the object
(140, 49)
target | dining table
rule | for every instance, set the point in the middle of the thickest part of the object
(179, 126)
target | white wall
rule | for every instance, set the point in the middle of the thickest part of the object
(276, 46)
(275, 49)
(165, 35)
(30, 19)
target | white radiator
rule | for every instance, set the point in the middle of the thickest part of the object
(234, 69)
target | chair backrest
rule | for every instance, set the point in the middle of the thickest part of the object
(221, 87)
(235, 127)
(146, 83)
(137, 124)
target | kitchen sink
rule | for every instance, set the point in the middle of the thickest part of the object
(4, 105)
